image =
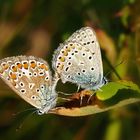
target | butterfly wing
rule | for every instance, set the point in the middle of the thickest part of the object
(78, 60)
(76, 64)
(86, 36)
(29, 77)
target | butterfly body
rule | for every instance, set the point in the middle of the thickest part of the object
(78, 60)
(31, 79)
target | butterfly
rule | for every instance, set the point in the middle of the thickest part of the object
(30, 77)
(78, 60)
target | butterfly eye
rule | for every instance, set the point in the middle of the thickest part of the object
(39, 112)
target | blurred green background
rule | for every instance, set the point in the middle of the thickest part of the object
(36, 28)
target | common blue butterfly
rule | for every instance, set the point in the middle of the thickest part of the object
(31, 79)
(78, 60)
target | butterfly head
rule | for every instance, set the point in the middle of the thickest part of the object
(49, 104)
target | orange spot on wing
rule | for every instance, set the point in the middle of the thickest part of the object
(6, 66)
(14, 68)
(46, 68)
(33, 65)
(25, 65)
(13, 76)
(65, 53)
(61, 67)
(68, 49)
(62, 59)
(43, 66)
(19, 65)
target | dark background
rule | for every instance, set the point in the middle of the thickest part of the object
(36, 28)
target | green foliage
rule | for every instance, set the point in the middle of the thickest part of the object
(110, 96)
(112, 88)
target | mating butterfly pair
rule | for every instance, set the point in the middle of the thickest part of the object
(77, 60)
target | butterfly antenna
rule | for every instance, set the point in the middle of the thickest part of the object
(19, 113)
(24, 120)
(113, 69)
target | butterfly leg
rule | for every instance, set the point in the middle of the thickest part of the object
(78, 88)
(66, 94)
(81, 99)
(65, 99)
(90, 97)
